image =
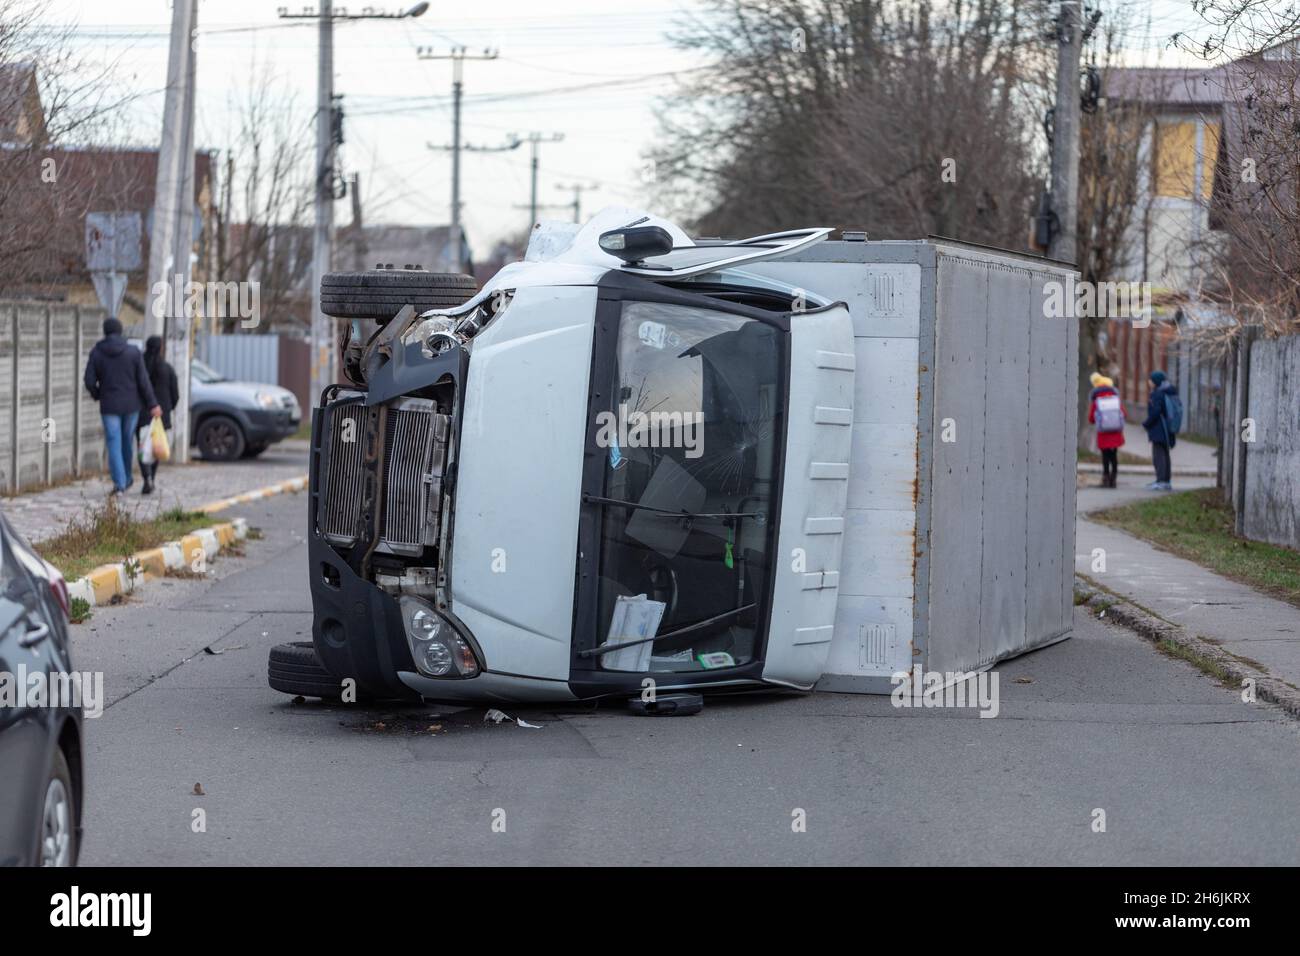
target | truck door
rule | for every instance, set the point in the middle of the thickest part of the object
(704, 417)
(815, 481)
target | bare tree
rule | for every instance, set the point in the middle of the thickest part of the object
(50, 97)
(1110, 199)
(1255, 267)
(1237, 28)
(266, 196)
(904, 116)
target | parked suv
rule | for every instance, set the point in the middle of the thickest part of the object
(231, 420)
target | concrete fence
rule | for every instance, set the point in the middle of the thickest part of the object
(49, 425)
(1259, 464)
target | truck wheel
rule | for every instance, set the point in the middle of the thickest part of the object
(295, 669)
(379, 294)
(220, 438)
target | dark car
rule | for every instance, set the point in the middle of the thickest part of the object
(41, 780)
(232, 420)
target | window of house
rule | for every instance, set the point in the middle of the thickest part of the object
(1176, 158)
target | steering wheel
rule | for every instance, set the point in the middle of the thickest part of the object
(663, 583)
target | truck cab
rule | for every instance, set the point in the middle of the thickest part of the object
(622, 463)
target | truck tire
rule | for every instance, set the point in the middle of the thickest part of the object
(379, 294)
(295, 669)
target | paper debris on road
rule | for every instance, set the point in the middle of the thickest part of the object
(500, 716)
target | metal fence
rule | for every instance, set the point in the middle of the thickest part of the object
(247, 358)
(273, 359)
(49, 425)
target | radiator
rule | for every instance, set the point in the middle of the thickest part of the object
(343, 479)
(415, 451)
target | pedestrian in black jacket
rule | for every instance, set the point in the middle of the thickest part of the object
(163, 379)
(1160, 434)
(116, 378)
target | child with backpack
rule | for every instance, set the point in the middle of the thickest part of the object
(1163, 423)
(1106, 411)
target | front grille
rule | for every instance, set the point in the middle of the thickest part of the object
(414, 451)
(343, 478)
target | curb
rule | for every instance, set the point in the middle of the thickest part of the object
(283, 487)
(1156, 629)
(108, 581)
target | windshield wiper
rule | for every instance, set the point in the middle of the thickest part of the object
(668, 512)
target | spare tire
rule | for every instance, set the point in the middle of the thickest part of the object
(295, 669)
(379, 294)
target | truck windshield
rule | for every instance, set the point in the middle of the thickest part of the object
(690, 441)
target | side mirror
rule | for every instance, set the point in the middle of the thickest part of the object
(635, 244)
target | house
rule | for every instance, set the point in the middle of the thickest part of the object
(1193, 157)
(46, 193)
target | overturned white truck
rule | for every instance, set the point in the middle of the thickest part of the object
(784, 462)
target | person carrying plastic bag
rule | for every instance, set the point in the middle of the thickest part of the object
(154, 440)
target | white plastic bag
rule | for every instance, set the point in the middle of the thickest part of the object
(144, 443)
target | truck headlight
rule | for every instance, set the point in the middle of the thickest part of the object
(437, 649)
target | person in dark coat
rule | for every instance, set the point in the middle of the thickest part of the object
(1108, 442)
(116, 378)
(163, 379)
(1161, 438)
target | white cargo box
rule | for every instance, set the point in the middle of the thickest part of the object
(958, 543)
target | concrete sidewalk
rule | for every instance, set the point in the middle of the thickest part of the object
(1259, 631)
(40, 514)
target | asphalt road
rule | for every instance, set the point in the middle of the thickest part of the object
(1185, 772)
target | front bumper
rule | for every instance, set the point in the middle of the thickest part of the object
(263, 426)
(358, 632)
(356, 627)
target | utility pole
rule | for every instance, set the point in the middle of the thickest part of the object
(322, 337)
(1065, 138)
(534, 139)
(170, 152)
(180, 327)
(458, 56)
(578, 190)
(171, 239)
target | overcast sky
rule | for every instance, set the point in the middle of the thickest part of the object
(590, 69)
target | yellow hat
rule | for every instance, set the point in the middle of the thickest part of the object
(1097, 379)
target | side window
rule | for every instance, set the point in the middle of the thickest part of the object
(691, 436)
